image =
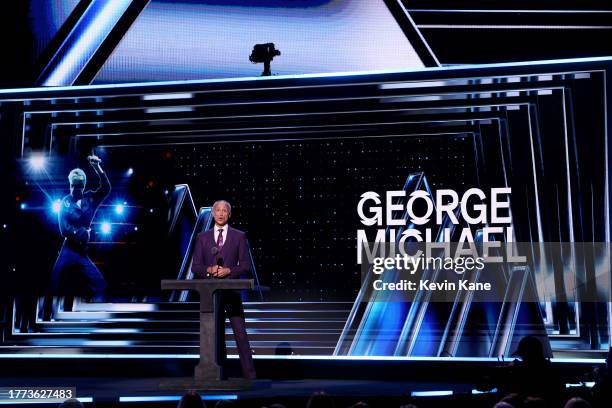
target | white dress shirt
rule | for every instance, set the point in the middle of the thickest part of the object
(225, 229)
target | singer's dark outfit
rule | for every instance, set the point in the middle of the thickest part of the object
(74, 274)
(234, 254)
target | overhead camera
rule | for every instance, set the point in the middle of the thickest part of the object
(264, 53)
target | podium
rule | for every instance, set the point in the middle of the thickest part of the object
(207, 373)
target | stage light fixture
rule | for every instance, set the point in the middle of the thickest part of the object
(129, 172)
(23, 206)
(264, 53)
(56, 206)
(106, 227)
(37, 162)
(119, 209)
(431, 393)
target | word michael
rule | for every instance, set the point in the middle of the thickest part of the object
(474, 207)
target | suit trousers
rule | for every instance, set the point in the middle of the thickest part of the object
(229, 304)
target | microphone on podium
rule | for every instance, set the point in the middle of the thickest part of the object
(220, 262)
(214, 251)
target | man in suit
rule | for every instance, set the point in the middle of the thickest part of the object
(222, 253)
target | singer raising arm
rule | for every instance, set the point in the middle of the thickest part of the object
(104, 187)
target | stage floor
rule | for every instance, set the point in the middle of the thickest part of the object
(114, 381)
(113, 391)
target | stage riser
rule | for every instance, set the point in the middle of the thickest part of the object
(174, 326)
(307, 328)
(194, 315)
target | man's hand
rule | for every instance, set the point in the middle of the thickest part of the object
(95, 162)
(221, 272)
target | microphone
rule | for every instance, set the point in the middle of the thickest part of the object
(220, 262)
(214, 251)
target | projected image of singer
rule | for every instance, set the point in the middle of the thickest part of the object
(222, 253)
(74, 274)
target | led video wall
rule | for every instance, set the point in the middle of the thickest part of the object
(295, 157)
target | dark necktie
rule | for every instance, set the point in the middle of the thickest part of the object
(220, 238)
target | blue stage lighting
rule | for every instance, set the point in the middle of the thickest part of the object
(106, 227)
(478, 392)
(431, 393)
(23, 206)
(129, 171)
(119, 209)
(37, 162)
(56, 206)
(160, 398)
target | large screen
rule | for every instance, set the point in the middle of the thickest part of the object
(110, 186)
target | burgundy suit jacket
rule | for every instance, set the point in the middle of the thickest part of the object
(234, 253)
